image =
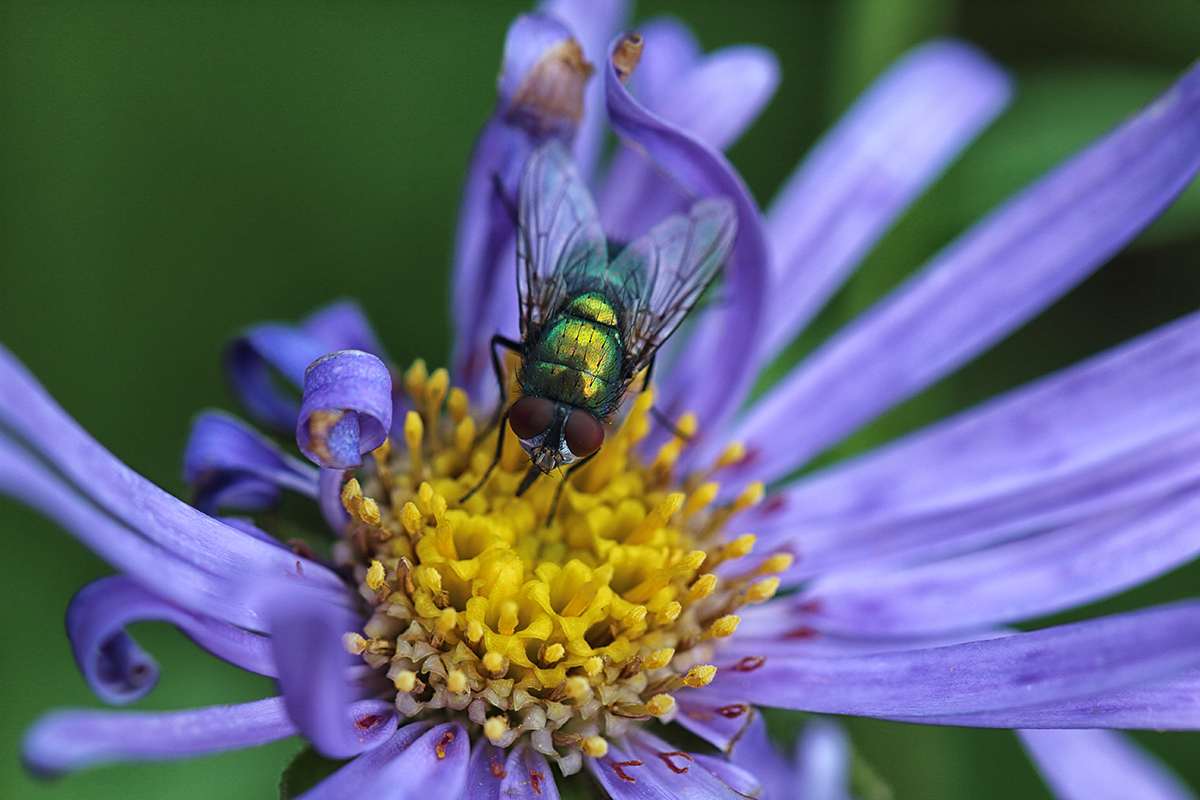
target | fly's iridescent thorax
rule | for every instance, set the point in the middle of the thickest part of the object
(577, 358)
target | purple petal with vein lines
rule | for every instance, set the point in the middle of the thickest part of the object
(1022, 579)
(182, 581)
(718, 722)
(35, 430)
(346, 410)
(1100, 765)
(112, 663)
(485, 771)
(1171, 703)
(405, 767)
(67, 740)
(1021, 670)
(715, 100)
(228, 463)
(724, 343)
(1017, 261)
(1115, 429)
(527, 776)
(895, 140)
(650, 778)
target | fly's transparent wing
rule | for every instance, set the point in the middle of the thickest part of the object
(663, 273)
(559, 232)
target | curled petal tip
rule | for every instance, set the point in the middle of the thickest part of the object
(544, 75)
(346, 410)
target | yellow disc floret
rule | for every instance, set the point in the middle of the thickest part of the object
(566, 631)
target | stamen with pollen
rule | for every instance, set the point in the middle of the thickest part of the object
(566, 632)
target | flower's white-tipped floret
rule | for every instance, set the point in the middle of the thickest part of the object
(565, 631)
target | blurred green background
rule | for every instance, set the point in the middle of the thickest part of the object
(171, 172)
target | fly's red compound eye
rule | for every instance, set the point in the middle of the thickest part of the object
(531, 416)
(584, 433)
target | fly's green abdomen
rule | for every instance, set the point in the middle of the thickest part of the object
(577, 360)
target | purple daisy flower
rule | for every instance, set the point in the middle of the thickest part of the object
(469, 648)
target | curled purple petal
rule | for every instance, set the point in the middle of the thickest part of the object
(1011, 265)
(228, 463)
(64, 741)
(262, 355)
(713, 99)
(539, 97)
(1020, 670)
(895, 140)
(347, 408)
(724, 343)
(416, 763)
(1100, 765)
(113, 664)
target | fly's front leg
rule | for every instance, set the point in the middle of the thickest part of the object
(501, 381)
(659, 416)
(495, 459)
(558, 492)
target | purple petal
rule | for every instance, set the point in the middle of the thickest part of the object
(1100, 765)
(895, 140)
(593, 23)
(1116, 429)
(1025, 669)
(485, 771)
(315, 670)
(644, 767)
(1167, 704)
(537, 91)
(330, 498)
(756, 753)
(718, 722)
(112, 663)
(527, 776)
(49, 462)
(228, 463)
(724, 343)
(1026, 578)
(416, 763)
(347, 408)
(63, 741)
(823, 761)
(181, 581)
(714, 99)
(1018, 260)
(279, 349)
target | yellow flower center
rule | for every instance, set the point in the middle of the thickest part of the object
(566, 631)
